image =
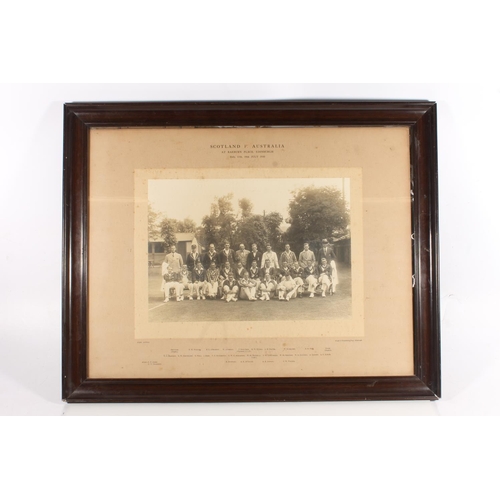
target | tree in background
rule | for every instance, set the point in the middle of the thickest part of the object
(273, 222)
(316, 213)
(186, 226)
(168, 228)
(246, 207)
(153, 230)
(252, 229)
(220, 225)
(258, 229)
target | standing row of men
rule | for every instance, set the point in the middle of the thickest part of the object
(211, 273)
(246, 257)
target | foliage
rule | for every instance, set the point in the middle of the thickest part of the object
(153, 230)
(258, 229)
(186, 226)
(220, 225)
(273, 222)
(252, 229)
(246, 207)
(316, 213)
(168, 227)
(167, 230)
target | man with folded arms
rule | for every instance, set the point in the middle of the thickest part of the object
(267, 287)
(329, 254)
(199, 281)
(310, 278)
(225, 270)
(287, 288)
(324, 274)
(239, 270)
(170, 282)
(248, 287)
(230, 288)
(254, 273)
(297, 274)
(212, 277)
(185, 281)
(280, 273)
(268, 268)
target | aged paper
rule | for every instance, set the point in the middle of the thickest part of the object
(351, 326)
(376, 338)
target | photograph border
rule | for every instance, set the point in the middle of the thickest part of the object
(419, 116)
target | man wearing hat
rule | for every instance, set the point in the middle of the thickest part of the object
(193, 258)
(326, 252)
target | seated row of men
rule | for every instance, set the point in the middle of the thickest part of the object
(230, 284)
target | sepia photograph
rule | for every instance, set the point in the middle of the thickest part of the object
(249, 249)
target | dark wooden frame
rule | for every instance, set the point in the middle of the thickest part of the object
(419, 116)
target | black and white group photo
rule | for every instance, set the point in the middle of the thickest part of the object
(216, 246)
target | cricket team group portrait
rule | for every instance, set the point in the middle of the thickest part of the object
(228, 276)
(291, 251)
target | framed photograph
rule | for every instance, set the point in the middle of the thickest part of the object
(250, 251)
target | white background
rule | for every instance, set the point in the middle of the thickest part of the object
(262, 41)
(31, 235)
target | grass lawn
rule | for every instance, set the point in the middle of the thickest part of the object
(331, 306)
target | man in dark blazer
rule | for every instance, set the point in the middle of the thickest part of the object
(193, 258)
(268, 269)
(210, 256)
(325, 252)
(227, 255)
(239, 270)
(254, 255)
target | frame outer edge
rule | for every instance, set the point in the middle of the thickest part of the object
(435, 340)
(74, 272)
(425, 218)
(420, 116)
